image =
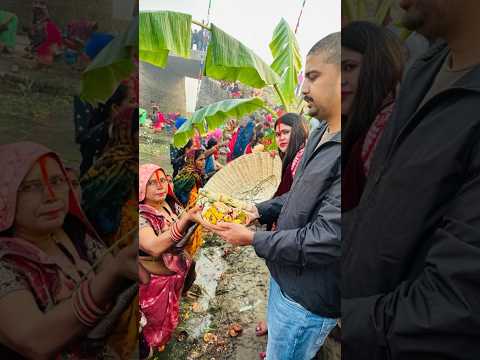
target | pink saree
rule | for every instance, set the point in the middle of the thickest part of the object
(160, 298)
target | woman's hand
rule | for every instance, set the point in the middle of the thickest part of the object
(126, 262)
(195, 215)
(143, 274)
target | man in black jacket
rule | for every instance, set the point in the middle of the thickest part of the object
(303, 253)
(411, 261)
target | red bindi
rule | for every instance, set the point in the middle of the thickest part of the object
(43, 169)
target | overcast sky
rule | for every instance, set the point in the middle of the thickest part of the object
(253, 21)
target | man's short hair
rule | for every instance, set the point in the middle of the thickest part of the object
(330, 47)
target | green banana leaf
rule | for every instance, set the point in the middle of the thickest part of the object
(287, 61)
(382, 10)
(162, 32)
(228, 59)
(111, 66)
(215, 115)
(354, 10)
(358, 10)
(362, 12)
(183, 134)
(347, 10)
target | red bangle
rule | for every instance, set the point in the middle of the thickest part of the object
(83, 309)
(178, 230)
(89, 302)
(84, 319)
(175, 234)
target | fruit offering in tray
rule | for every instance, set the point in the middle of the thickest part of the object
(205, 195)
(219, 212)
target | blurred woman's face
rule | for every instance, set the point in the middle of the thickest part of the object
(42, 203)
(157, 188)
(351, 66)
(126, 103)
(200, 162)
(282, 136)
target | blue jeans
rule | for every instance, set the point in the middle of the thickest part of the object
(294, 333)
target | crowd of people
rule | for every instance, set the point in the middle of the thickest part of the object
(173, 218)
(380, 219)
(200, 39)
(68, 233)
(361, 81)
(77, 44)
(160, 121)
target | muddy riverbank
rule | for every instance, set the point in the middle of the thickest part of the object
(233, 283)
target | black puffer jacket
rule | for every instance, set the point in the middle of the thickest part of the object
(411, 261)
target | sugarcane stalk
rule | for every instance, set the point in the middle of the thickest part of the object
(107, 251)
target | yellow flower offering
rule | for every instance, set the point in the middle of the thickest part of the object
(219, 212)
(222, 208)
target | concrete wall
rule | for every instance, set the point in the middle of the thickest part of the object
(164, 87)
(167, 87)
(210, 92)
(110, 14)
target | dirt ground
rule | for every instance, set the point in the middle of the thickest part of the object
(37, 105)
(238, 298)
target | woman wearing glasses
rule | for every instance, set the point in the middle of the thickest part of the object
(162, 226)
(51, 298)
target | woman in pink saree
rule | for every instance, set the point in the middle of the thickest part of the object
(159, 122)
(53, 303)
(162, 225)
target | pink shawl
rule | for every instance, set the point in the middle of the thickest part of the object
(374, 134)
(42, 275)
(16, 160)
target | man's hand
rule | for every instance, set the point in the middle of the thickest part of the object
(234, 234)
(252, 214)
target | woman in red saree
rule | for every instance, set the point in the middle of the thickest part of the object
(45, 36)
(159, 122)
(161, 227)
(53, 304)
